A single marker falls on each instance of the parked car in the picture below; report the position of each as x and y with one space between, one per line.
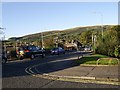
30 51
58 50
87 48
3 57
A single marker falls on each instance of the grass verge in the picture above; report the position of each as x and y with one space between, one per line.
92 60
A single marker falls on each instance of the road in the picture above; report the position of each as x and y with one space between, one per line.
15 75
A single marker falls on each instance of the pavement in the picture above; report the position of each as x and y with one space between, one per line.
59 71
104 73
107 74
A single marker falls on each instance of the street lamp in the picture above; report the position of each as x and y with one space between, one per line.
42 39
101 15
93 41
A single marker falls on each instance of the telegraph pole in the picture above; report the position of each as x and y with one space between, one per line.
101 15
42 39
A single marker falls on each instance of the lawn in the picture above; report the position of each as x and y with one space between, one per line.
92 60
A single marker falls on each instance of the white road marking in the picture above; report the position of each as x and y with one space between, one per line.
65 78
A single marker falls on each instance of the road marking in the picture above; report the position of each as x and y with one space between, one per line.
31 70
27 71
65 78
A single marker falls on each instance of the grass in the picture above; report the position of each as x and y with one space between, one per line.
92 60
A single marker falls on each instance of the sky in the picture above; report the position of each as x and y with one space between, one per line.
23 18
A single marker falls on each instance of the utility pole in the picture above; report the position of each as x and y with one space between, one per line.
92 42
102 23
58 39
101 15
42 40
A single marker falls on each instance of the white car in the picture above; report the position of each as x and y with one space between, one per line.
87 48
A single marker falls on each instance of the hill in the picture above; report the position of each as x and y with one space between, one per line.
51 38
68 32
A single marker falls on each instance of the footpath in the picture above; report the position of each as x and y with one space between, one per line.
86 73
67 70
106 73
89 74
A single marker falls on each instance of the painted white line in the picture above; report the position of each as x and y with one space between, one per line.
73 78
91 78
66 78
45 74
31 70
89 81
26 70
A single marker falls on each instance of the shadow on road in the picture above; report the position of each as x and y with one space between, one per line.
55 66
61 62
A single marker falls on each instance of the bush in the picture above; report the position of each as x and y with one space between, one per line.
117 52
107 44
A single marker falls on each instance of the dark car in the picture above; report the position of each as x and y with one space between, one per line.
3 57
30 51
58 50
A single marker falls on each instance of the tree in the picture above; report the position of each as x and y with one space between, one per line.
86 37
117 29
116 51
48 42
107 43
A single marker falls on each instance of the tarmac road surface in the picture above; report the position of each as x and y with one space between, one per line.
14 74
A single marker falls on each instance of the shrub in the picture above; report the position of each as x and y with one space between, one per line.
116 52
107 44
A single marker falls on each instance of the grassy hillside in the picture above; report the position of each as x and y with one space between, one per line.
68 34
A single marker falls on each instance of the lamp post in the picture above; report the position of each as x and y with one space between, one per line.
56 41
101 23
42 39
94 37
101 15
